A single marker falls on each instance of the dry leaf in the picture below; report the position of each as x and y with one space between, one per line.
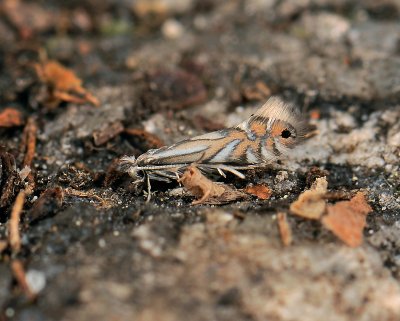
10 117
150 140
3 245
284 229
320 185
311 203
347 219
199 185
107 133
63 84
207 191
261 191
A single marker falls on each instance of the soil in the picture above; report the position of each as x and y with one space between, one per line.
92 248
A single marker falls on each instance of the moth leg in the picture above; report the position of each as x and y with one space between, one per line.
148 189
138 181
221 172
232 170
227 168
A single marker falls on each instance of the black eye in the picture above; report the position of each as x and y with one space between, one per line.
286 133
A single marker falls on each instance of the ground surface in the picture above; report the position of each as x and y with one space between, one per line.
179 68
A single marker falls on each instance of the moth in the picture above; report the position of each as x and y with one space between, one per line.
258 141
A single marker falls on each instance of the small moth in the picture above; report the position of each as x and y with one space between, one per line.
271 132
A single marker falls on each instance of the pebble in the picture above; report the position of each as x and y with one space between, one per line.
36 280
172 29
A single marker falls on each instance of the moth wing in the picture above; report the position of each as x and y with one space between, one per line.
192 150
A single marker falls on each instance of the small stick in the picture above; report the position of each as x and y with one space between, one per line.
284 229
30 141
14 237
83 194
19 273
28 145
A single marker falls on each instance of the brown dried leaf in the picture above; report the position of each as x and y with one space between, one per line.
63 84
284 229
173 89
311 203
10 117
207 191
199 185
108 132
9 179
347 219
151 140
261 191
3 245
258 92
48 202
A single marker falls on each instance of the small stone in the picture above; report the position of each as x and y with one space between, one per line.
36 280
172 29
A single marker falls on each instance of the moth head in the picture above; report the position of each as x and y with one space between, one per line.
286 126
128 164
286 135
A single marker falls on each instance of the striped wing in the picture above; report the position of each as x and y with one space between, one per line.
273 129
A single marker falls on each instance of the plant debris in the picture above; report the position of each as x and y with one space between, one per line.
9 178
284 229
28 147
108 132
347 219
13 235
48 202
62 85
148 140
259 92
207 191
263 192
173 90
19 273
11 117
311 203
91 194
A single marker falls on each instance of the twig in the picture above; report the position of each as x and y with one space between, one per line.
284 229
19 274
28 145
103 203
13 237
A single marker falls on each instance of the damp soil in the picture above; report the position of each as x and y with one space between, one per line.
93 248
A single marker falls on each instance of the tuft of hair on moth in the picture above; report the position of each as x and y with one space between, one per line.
267 135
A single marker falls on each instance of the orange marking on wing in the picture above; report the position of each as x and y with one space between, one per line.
258 128
237 135
241 149
215 147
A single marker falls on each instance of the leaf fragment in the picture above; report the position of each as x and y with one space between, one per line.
207 191
311 203
347 219
262 191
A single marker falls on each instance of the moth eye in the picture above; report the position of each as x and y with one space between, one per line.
286 133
